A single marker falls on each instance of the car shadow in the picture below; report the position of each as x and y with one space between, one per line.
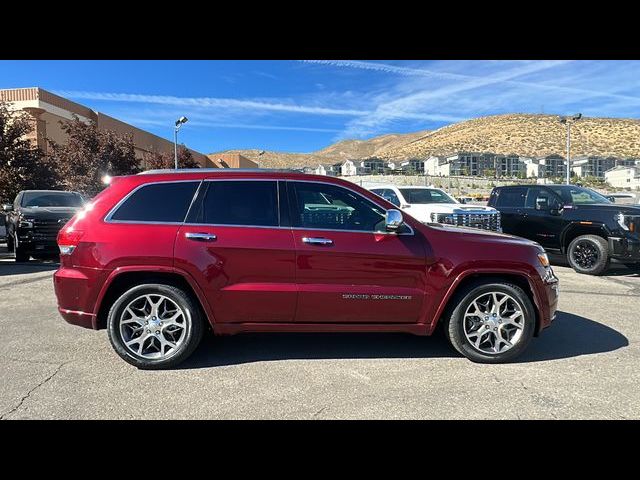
569 336
11 267
616 269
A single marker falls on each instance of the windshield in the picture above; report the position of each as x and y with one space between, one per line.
578 195
51 199
425 195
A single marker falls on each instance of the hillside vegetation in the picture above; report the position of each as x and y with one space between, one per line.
520 134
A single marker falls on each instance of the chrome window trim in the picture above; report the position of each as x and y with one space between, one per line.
109 215
107 218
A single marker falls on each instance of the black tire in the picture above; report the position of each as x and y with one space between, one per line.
454 322
193 326
20 254
588 254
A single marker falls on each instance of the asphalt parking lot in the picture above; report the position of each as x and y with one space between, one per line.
587 365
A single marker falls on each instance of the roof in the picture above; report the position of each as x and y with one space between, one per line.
218 170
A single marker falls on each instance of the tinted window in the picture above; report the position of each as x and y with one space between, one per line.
579 195
321 206
51 199
158 202
242 203
511 197
391 196
539 193
423 195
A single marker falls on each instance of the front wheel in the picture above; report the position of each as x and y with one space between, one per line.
588 254
20 254
154 326
492 323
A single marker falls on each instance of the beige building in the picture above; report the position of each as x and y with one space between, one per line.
47 110
230 160
624 177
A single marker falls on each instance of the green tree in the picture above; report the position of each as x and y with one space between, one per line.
91 153
161 160
22 164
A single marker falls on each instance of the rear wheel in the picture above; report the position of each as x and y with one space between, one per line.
492 323
154 326
588 254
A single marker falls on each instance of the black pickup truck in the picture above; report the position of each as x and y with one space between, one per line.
34 220
574 221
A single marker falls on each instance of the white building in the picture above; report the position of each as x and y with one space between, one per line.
320 170
345 169
623 177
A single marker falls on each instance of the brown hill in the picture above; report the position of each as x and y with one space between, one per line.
343 150
526 135
520 134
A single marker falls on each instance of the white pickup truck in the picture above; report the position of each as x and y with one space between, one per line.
432 205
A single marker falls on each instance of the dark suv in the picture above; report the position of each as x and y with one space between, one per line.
34 220
156 258
573 221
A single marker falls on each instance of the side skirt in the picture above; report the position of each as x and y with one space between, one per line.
234 328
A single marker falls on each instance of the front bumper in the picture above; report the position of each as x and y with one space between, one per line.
625 248
549 294
35 242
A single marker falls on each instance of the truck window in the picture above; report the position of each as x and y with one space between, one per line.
512 197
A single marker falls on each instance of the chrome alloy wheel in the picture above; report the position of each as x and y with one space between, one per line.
153 326
494 322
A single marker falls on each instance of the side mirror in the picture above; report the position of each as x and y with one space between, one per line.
393 220
542 203
7 207
462 200
556 208
611 199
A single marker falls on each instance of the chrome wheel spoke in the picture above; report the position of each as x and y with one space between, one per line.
153 326
494 322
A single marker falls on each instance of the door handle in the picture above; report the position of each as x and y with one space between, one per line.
200 237
317 241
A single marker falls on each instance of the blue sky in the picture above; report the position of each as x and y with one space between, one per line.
302 106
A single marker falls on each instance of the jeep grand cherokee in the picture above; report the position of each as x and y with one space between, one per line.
157 257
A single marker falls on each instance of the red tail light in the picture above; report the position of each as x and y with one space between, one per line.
68 239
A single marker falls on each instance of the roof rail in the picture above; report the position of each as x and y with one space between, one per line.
218 170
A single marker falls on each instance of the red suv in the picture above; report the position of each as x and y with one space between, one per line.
157 257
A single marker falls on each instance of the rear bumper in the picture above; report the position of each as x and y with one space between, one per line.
625 248
76 291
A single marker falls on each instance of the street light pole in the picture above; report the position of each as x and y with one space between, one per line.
179 123
567 122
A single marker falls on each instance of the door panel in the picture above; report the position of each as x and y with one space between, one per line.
248 274
345 272
239 254
360 277
542 226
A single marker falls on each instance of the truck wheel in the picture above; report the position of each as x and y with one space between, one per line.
21 255
154 326
588 254
492 323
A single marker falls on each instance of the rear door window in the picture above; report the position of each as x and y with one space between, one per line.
512 197
165 202
241 202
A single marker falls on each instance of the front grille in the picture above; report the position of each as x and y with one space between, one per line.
47 229
484 221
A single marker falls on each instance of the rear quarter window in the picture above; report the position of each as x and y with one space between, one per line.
157 202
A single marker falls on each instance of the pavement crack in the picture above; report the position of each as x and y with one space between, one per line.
319 411
30 392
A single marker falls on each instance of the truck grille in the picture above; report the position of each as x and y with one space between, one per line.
484 221
47 229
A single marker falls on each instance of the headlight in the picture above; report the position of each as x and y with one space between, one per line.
26 223
626 222
543 259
